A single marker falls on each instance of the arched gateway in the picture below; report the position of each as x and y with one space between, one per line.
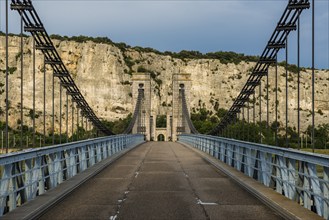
150 109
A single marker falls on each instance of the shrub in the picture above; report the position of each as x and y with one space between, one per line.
141 69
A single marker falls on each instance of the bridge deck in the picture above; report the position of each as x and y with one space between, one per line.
160 181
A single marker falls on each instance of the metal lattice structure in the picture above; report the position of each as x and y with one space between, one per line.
185 111
300 176
286 24
28 174
136 111
43 42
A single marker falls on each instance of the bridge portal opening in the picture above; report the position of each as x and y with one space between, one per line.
161 137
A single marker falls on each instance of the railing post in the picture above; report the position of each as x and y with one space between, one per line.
104 149
316 188
41 184
278 179
108 148
82 158
51 169
228 155
28 179
306 187
222 151
274 167
59 167
91 153
265 168
115 145
12 189
34 178
326 192
98 151
238 157
292 178
216 145
213 148
122 142
4 187
70 162
38 170
284 175
250 161
112 146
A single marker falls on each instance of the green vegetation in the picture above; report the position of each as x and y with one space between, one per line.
18 56
125 82
31 114
12 35
154 76
291 67
11 70
205 120
119 126
142 69
161 121
318 151
224 57
15 136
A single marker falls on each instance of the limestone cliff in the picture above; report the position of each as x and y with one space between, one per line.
103 74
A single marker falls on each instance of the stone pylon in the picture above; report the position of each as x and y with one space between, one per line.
179 124
142 125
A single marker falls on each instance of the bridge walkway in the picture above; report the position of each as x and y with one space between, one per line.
160 180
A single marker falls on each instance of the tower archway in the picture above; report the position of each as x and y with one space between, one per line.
161 137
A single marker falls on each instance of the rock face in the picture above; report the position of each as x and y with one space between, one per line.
103 73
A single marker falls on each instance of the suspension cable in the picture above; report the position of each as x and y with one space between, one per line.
22 82
136 111
185 112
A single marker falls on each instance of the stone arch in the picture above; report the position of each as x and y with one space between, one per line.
161 137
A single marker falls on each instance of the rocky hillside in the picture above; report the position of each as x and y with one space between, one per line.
103 73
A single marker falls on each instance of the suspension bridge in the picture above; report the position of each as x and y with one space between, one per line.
102 175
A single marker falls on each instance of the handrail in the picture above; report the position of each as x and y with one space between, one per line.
300 176
27 174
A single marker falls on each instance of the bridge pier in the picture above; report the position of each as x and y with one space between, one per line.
179 124
143 124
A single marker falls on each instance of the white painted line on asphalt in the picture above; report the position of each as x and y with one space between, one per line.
205 203
113 217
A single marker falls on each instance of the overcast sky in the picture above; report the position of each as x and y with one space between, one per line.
241 26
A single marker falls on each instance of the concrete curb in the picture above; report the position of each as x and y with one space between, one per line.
285 207
35 208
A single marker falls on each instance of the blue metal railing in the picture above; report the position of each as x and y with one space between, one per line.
300 176
27 174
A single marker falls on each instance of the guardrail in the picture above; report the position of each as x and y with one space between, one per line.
300 176
27 174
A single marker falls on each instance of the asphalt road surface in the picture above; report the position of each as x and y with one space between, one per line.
160 180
